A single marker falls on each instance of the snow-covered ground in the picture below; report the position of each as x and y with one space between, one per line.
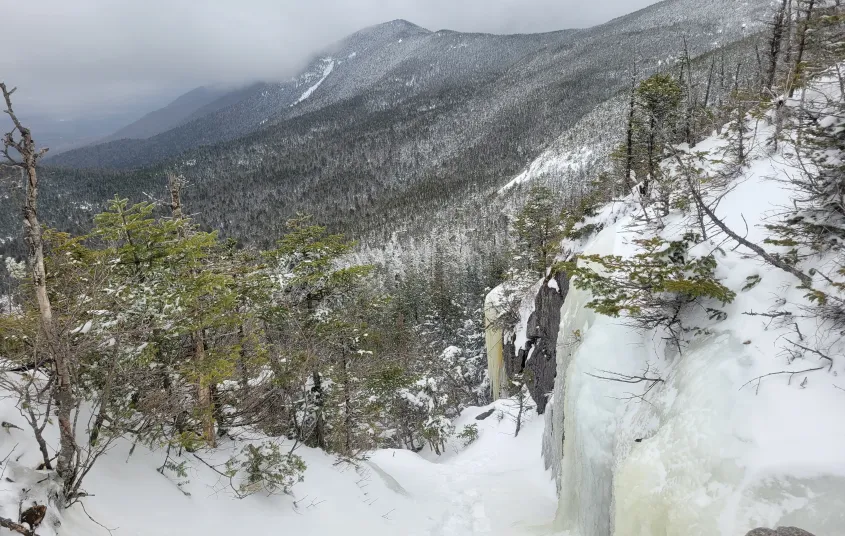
495 486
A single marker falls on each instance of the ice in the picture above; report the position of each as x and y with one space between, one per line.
736 436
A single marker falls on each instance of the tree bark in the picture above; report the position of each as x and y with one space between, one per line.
33 237
105 399
775 44
204 398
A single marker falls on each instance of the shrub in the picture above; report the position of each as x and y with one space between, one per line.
436 431
468 434
265 468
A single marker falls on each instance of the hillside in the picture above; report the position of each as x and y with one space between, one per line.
393 492
177 112
437 122
715 420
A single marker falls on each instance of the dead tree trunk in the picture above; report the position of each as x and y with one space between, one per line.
689 114
63 389
629 141
652 160
740 120
347 402
775 44
105 400
802 44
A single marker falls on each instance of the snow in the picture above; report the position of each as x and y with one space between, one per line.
83 329
552 162
716 448
327 70
586 145
526 307
495 486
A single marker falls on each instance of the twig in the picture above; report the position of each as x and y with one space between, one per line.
798 331
7 459
791 374
769 315
94 520
746 231
815 352
624 378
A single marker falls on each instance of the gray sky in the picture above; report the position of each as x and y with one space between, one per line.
69 57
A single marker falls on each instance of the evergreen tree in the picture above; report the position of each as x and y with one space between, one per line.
538 231
659 98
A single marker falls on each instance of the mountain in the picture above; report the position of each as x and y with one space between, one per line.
398 133
171 116
385 64
63 134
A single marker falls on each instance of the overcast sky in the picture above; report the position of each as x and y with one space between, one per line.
72 56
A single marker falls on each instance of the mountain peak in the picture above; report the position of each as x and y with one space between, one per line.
404 24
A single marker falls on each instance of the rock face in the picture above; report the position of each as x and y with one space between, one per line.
537 359
780 531
543 327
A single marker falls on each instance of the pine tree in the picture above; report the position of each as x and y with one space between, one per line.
659 97
538 231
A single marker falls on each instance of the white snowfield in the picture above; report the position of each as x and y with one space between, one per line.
496 486
327 70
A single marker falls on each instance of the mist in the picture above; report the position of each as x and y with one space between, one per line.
95 58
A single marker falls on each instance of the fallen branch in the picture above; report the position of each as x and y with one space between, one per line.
623 378
791 374
769 315
15 527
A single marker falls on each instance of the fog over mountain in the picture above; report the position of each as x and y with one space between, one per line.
97 57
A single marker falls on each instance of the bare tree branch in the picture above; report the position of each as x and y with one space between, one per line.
805 279
791 374
15 527
814 352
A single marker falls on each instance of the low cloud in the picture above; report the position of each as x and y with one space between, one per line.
97 56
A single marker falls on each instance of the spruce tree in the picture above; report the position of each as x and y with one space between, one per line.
538 231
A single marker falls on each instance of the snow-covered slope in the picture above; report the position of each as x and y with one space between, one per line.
740 432
489 487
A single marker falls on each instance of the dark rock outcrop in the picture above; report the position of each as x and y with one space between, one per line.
537 360
482 416
780 531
